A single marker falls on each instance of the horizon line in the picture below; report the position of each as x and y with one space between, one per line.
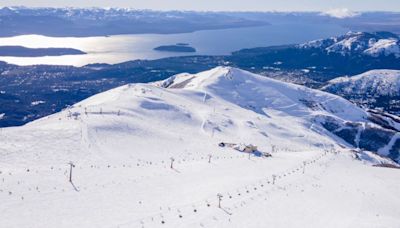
192 10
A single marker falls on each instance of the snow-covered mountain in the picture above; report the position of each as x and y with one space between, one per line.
375 82
373 44
373 89
149 155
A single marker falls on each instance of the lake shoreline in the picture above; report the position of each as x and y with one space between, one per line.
21 51
122 48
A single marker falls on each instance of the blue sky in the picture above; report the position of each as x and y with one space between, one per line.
242 5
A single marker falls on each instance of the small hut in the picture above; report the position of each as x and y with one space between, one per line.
250 148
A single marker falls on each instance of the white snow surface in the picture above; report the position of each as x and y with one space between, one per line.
122 141
378 82
384 47
345 46
357 43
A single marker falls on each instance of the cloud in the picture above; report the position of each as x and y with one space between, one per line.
340 13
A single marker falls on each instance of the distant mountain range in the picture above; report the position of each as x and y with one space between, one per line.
111 21
350 54
374 44
61 22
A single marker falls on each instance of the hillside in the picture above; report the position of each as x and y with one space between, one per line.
374 89
378 82
148 155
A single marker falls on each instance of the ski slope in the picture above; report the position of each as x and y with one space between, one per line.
123 142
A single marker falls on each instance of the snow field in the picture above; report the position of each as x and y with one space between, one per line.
122 143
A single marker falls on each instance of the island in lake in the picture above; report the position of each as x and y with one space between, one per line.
179 47
20 51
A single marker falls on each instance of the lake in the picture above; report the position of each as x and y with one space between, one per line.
120 48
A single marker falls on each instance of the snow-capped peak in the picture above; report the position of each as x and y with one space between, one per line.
252 90
371 44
